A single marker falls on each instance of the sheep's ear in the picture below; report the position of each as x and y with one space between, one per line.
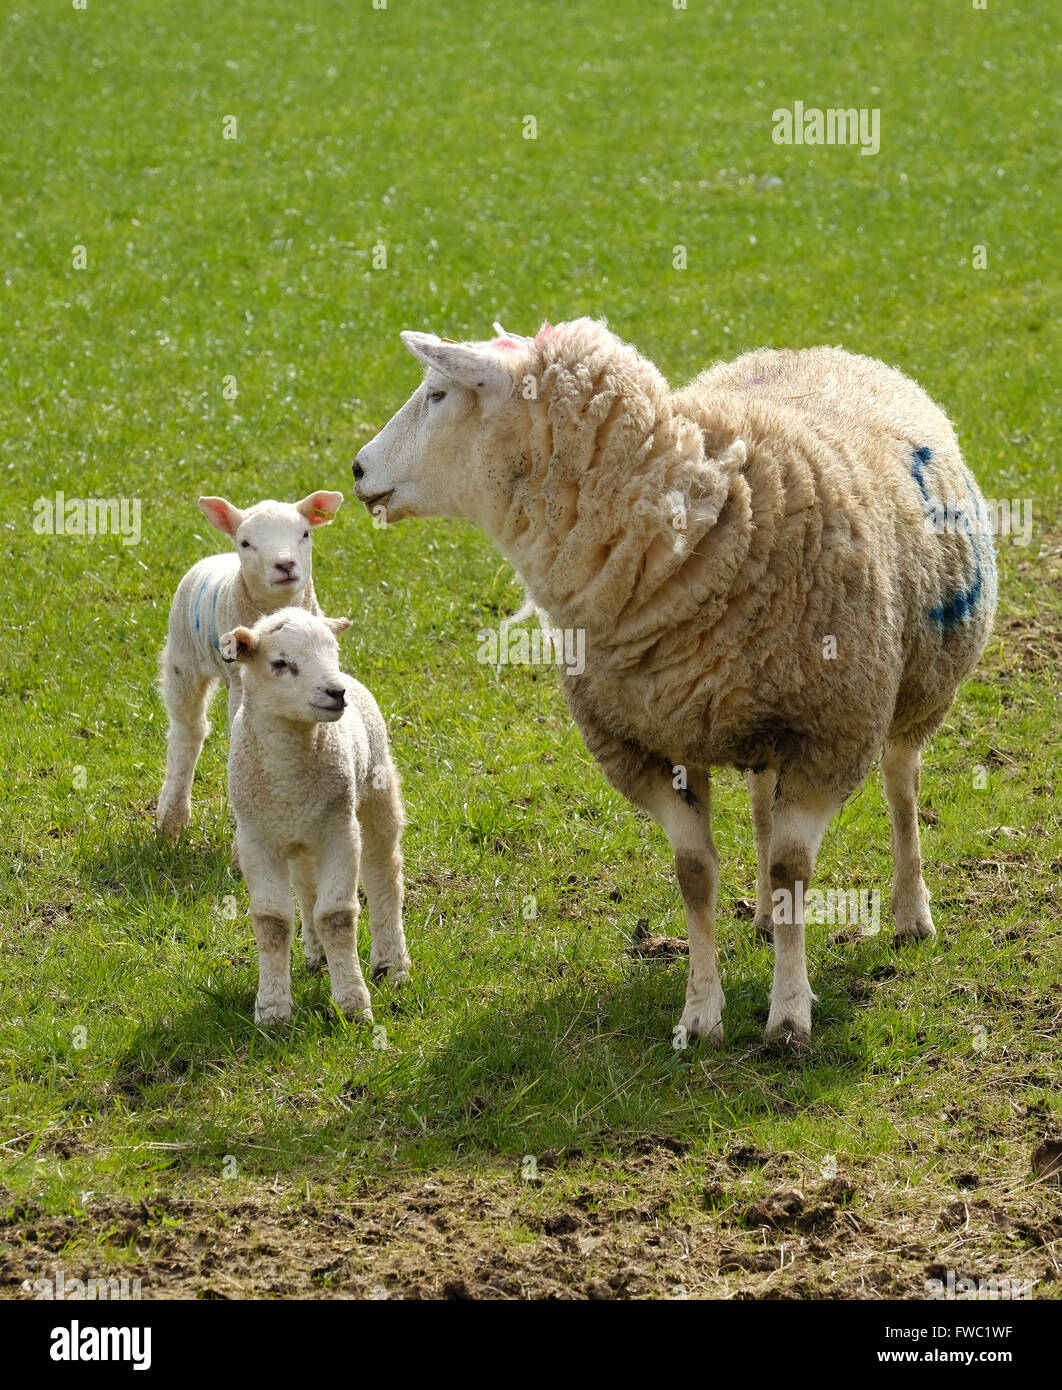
320 507
338 625
475 367
238 645
222 515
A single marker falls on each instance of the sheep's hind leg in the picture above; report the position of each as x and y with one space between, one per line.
912 920
798 824
380 817
761 786
186 695
336 919
304 884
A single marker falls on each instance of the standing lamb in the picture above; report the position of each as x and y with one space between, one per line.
270 569
753 563
316 797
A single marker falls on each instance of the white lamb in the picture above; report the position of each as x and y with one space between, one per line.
757 564
270 569
317 799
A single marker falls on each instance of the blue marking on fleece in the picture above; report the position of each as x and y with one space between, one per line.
919 459
199 595
214 620
962 605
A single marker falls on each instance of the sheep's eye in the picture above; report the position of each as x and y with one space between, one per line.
436 396
246 545
279 665
306 535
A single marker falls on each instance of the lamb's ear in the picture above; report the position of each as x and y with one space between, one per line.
320 507
476 367
222 515
337 625
238 645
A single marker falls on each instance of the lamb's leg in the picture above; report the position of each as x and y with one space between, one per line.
798 824
303 881
336 918
761 787
911 917
380 817
186 695
273 920
235 695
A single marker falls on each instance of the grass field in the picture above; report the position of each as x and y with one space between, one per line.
523 1127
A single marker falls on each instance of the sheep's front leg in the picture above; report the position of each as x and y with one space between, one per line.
761 787
798 824
684 816
273 920
911 917
336 918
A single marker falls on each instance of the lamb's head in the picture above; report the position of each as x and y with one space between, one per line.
273 542
470 429
289 665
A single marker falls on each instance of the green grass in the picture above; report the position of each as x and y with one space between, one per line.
253 258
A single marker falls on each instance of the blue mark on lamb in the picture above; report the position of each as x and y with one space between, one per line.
199 595
961 606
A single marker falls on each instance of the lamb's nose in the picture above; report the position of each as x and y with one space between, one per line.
359 472
288 566
338 693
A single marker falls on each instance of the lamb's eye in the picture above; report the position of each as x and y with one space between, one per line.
279 665
435 396
306 535
246 545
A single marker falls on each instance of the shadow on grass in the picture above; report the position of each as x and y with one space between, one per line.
587 1067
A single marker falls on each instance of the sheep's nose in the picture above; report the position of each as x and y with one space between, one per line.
359 472
287 566
337 693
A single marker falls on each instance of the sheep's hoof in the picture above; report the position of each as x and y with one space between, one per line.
763 927
271 1018
919 928
172 822
353 1014
397 971
789 1034
702 1020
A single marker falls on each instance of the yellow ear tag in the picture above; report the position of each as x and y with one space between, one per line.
447 340
322 515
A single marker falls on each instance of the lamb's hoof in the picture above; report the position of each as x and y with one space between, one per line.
763 927
919 928
272 1017
397 971
702 1019
172 821
356 1014
790 1034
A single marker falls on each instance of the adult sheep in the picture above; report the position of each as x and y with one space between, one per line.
752 566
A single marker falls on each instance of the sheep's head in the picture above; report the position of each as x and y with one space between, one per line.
273 542
289 663
442 453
